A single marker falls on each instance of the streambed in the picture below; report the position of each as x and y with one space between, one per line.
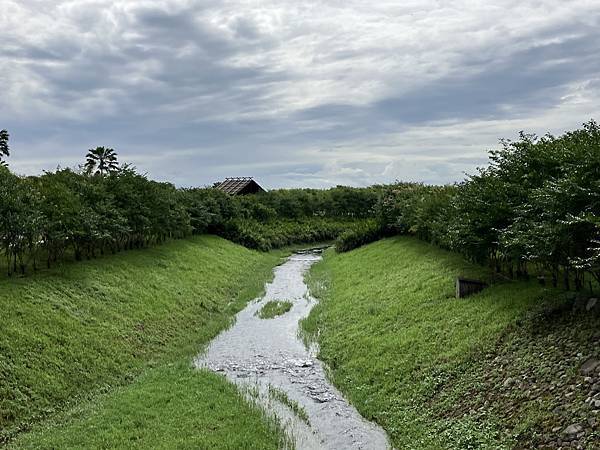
264 356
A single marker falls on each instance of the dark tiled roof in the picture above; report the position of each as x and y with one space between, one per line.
235 185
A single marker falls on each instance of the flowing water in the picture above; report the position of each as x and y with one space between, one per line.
266 356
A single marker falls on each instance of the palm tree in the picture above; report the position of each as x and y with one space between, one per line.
4 150
101 161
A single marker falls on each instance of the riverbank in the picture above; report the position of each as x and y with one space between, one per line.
118 334
498 370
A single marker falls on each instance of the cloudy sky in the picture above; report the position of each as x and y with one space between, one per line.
293 92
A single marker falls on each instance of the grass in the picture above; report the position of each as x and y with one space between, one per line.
92 334
394 336
274 308
283 398
169 407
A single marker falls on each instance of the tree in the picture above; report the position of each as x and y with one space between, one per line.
101 161
62 210
4 150
19 220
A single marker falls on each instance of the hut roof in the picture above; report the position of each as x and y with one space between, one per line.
239 185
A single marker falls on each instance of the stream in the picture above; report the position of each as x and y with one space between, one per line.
263 356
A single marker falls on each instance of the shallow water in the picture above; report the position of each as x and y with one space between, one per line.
257 353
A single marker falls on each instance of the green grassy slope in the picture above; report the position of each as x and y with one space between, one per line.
394 336
72 333
171 406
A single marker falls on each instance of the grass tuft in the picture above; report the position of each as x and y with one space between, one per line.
281 396
274 308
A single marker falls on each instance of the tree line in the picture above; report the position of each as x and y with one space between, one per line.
534 208
107 207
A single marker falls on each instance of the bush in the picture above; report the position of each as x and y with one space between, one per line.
360 234
265 236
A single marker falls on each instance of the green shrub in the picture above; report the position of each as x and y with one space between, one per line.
265 236
360 234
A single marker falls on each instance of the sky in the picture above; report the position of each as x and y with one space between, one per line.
295 93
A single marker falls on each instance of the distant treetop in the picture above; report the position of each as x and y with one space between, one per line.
101 161
4 149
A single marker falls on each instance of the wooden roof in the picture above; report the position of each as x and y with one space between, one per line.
239 185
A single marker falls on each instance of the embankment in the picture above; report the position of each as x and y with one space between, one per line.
104 348
501 369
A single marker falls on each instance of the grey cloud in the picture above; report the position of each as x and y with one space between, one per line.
191 98
246 29
171 30
531 79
